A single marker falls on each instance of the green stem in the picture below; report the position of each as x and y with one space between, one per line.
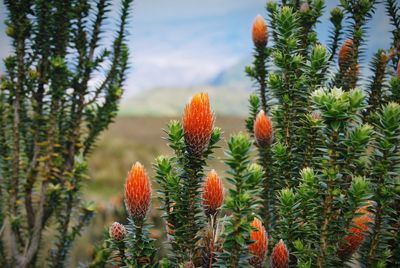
121 252
324 232
375 237
261 74
268 187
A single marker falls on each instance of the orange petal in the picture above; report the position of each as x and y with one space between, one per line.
213 193
137 192
260 32
198 122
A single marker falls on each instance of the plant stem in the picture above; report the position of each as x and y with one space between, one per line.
375 236
327 204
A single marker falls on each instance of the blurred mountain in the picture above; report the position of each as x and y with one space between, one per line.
228 90
225 100
234 75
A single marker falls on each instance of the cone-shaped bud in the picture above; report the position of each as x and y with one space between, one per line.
345 53
260 32
137 192
316 115
357 232
198 121
263 129
213 193
280 256
117 231
260 246
305 7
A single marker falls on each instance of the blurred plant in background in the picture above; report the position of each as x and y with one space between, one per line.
50 118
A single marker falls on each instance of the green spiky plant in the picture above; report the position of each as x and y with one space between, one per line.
197 233
327 181
50 119
180 177
327 150
242 202
131 245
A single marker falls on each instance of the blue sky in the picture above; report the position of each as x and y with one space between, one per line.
180 43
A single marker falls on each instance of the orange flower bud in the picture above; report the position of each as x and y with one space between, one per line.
305 7
260 246
263 129
213 193
198 122
280 256
137 192
316 115
117 231
260 32
345 53
356 236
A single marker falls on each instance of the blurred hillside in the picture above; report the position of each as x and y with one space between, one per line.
229 91
132 139
230 101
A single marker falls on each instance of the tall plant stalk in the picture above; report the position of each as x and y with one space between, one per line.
51 117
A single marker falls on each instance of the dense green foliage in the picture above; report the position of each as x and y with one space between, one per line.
335 149
327 180
50 118
323 175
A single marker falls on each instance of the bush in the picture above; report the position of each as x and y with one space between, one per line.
326 185
50 118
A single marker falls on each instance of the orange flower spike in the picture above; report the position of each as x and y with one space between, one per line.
345 53
280 256
356 236
263 129
198 122
260 246
117 231
260 32
213 193
137 192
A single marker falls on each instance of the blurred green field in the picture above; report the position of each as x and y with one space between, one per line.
128 140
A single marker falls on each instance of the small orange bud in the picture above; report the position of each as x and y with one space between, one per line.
316 115
356 236
260 246
280 256
260 32
198 122
117 231
137 192
345 53
305 7
263 129
213 193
